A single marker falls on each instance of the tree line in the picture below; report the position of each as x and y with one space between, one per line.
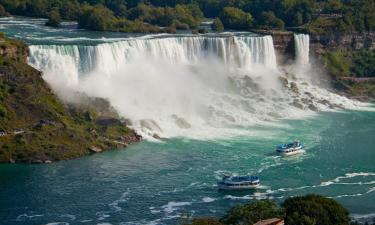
316 16
301 210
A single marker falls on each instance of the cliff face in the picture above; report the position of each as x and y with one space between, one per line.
284 42
335 52
342 42
36 127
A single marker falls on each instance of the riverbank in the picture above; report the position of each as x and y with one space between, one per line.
36 127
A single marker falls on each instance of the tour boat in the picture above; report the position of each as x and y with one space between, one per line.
289 149
238 182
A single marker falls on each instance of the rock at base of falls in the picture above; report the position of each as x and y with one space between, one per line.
180 122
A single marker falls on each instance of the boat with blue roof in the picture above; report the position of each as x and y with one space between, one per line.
289 149
246 182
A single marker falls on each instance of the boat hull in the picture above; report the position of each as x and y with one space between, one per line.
291 153
244 187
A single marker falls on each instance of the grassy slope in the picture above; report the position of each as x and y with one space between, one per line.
340 65
25 100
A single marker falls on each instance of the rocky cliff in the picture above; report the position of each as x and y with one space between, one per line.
35 127
284 42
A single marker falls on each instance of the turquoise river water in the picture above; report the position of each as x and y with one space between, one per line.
158 182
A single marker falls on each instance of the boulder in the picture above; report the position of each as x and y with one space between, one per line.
180 122
284 81
297 104
150 125
312 107
293 87
94 149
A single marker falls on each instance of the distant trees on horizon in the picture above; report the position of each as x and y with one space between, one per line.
149 16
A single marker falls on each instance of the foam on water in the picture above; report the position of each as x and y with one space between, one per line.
208 199
173 206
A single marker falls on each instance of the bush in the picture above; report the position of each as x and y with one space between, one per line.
269 20
3 112
54 19
252 212
234 18
315 210
2 11
336 64
96 17
217 25
364 63
205 221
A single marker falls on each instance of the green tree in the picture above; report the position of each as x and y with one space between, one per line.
54 19
36 8
269 20
298 19
2 11
70 10
315 210
333 6
251 213
96 17
364 63
234 18
217 25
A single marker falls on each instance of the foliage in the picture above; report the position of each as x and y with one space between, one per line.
54 19
217 25
251 213
315 210
319 16
357 63
204 221
363 63
305 210
337 64
3 112
96 17
234 18
49 130
167 16
2 11
268 20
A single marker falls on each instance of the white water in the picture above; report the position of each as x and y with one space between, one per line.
200 86
302 43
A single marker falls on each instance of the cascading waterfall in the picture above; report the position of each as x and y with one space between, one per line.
183 86
107 57
302 45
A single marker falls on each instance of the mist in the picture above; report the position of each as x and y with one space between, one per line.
199 87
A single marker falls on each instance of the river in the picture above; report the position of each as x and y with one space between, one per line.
161 181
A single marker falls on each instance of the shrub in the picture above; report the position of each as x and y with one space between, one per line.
54 19
96 17
2 11
234 18
217 25
315 210
252 212
3 112
205 221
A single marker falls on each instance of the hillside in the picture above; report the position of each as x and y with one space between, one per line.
36 127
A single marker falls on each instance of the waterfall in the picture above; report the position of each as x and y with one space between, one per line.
107 57
195 86
302 45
